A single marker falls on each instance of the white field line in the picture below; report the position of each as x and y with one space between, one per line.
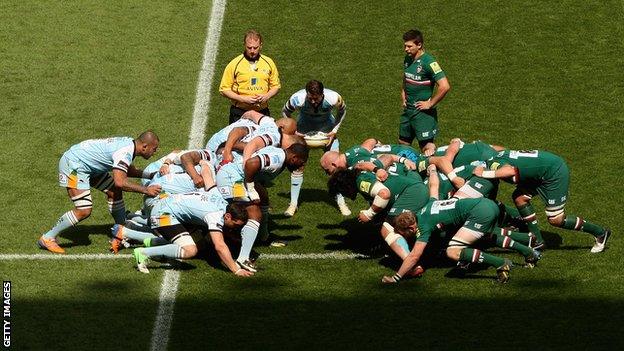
169 288
307 256
206 75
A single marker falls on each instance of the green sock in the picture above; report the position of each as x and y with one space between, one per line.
528 216
264 224
522 238
579 224
507 213
473 255
155 241
507 242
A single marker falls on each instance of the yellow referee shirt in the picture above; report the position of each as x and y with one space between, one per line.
250 78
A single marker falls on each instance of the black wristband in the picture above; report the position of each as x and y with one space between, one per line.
397 277
375 169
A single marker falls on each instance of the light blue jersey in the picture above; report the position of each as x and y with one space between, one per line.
268 131
219 138
313 119
230 177
205 208
103 155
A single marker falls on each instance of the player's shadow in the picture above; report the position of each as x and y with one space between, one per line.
312 195
79 236
363 238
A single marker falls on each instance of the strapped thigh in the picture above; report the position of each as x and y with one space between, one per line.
83 200
103 182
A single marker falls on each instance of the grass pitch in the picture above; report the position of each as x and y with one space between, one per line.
523 74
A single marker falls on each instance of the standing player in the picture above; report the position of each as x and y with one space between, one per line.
250 79
86 165
315 105
421 72
544 173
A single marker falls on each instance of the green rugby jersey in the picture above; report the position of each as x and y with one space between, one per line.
357 154
396 183
531 165
469 152
397 149
419 77
452 212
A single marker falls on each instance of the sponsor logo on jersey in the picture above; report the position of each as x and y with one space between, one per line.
435 67
419 69
254 81
365 187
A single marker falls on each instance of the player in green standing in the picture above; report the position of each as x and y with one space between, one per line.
421 74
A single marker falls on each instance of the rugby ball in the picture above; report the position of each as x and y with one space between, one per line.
316 139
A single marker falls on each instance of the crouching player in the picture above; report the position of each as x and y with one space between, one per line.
173 216
476 218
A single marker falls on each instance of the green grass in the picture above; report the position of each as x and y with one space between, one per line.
524 74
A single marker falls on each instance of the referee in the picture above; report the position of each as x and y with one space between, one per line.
250 79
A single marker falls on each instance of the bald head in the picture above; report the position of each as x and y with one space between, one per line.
146 144
329 160
287 125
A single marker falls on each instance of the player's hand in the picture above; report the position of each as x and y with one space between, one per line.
251 100
458 182
410 165
198 181
227 157
428 152
381 175
153 190
243 273
262 98
164 169
404 103
252 192
363 218
478 171
423 105
388 280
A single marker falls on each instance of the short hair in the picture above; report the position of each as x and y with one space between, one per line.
238 211
404 220
314 87
343 182
148 137
253 34
299 150
414 35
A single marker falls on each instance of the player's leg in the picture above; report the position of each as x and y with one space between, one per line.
406 131
296 182
522 199
397 242
76 182
340 200
181 246
249 233
114 196
425 125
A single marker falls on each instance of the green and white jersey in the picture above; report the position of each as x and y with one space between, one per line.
419 77
395 183
532 166
442 213
397 149
469 153
357 154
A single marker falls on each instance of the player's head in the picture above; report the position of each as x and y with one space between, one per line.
405 224
287 125
253 44
343 182
296 156
235 215
146 144
413 41
288 140
330 162
314 92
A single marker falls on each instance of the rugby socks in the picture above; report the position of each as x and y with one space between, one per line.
248 235
155 241
528 216
296 180
117 209
507 242
477 256
170 251
400 246
264 223
579 224
67 220
135 234
520 237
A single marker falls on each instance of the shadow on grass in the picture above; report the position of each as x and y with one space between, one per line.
79 236
311 195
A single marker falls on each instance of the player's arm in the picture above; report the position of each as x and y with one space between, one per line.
377 167
290 107
453 149
404 160
403 95
232 142
120 178
446 167
207 174
251 168
188 161
168 161
341 112
434 182
442 87
381 196
408 263
252 146
369 144
504 171
225 255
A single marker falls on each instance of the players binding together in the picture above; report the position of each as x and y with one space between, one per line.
422 201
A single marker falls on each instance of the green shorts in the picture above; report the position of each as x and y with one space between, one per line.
553 190
482 218
422 125
413 198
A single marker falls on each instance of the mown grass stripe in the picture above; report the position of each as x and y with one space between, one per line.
303 256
